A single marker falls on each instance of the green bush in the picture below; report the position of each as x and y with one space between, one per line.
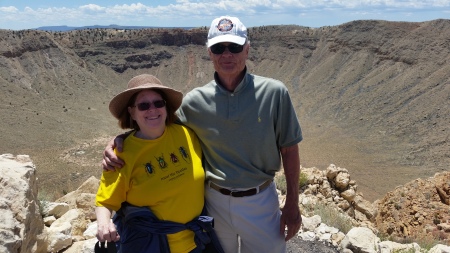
302 180
43 199
280 181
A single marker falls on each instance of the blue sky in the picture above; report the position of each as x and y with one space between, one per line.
21 14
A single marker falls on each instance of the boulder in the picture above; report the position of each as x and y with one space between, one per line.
21 224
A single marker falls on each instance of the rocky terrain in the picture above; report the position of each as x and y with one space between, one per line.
69 225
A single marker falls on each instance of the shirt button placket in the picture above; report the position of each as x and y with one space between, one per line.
233 107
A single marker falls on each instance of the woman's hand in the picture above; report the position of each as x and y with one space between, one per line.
106 230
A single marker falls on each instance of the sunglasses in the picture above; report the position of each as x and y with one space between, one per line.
147 105
220 48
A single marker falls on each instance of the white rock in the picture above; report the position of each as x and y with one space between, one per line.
440 248
388 247
48 221
82 246
308 236
20 220
361 239
311 223
59 236
54 208
91 230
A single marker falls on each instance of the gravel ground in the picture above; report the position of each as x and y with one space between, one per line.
297 245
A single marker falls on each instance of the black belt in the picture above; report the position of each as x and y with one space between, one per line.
238 194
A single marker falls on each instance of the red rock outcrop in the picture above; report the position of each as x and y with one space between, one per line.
418 208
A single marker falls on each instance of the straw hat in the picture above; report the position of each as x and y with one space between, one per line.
142 82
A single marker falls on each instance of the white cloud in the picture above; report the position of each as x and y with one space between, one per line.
9 9
201 12
129 9
93 8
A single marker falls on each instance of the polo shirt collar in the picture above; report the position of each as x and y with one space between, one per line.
240 86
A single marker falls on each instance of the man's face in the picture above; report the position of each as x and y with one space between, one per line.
228 64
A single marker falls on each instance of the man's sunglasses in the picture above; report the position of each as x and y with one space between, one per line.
220 48
147 105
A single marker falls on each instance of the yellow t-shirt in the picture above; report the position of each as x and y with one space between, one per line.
164 174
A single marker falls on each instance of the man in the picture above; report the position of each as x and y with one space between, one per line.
247 125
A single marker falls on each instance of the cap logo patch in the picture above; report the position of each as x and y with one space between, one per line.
225 25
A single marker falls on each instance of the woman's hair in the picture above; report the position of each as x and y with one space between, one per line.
126 122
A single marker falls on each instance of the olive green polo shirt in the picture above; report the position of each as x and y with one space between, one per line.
241 132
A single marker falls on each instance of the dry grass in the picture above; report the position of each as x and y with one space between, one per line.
425 241
331 216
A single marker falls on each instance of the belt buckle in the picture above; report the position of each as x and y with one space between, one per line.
238 194
232 193
225 191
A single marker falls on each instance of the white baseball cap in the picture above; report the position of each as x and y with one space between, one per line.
227 29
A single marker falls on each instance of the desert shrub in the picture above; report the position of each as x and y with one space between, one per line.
411 250
331 216
280 181
303 179
426 242
43 198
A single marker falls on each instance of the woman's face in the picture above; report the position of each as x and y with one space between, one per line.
151 119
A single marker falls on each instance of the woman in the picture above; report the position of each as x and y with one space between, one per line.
162 171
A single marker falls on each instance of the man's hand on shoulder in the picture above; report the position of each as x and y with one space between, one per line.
110 160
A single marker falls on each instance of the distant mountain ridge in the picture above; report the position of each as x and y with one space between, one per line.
64 28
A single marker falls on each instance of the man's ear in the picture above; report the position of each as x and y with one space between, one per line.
210 54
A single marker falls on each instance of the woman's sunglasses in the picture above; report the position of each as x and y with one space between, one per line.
147 105
220 48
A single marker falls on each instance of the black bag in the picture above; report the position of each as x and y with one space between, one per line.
210 248
102 247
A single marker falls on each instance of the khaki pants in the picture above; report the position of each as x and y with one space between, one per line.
255 220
